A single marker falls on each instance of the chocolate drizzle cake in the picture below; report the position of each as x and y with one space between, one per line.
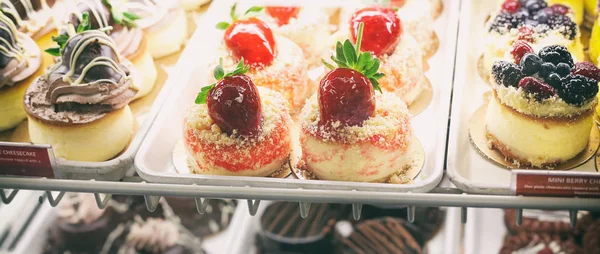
384 235
542 243
591 239
428 219
535 221
30 16
284 231
215 219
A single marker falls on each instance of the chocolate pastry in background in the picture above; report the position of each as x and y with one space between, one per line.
33 17
542 243
428 219
216 218
129 39
591 238
383 235
81 227
282 230
80 105
538 221
20 64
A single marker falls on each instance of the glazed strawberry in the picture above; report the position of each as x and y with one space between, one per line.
587 69
233 102
347 94
534 86
520 49
511 6
382 29
560 9
282 14
249 38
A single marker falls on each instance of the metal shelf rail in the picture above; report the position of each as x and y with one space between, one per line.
152 192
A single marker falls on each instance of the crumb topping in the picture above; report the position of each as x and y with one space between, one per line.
203 127
390 127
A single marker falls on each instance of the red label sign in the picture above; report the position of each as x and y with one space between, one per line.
558 184
26 160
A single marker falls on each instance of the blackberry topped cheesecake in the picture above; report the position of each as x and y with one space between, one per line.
533 21
542 109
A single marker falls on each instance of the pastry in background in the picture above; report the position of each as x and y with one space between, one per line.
275 61
215 219
192 5
429 220
80 105
237 128
386 38
350 133
302 25
591 8
534 22
35 18
554 222
594 48
540 243
20 62
547 94
383 235
164 23
577 6
282 230
129 39
591 239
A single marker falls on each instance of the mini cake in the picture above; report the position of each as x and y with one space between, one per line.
302 25
348 132
275 61
79 106
237 128
553 222
429 220
282 230
536 23
215 218
129 39
160 20
20 61
82 227
384 235
540 244
576 6
591 239
546 95
386 38
32 17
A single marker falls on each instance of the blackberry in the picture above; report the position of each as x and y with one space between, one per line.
531 63
506 20
563 24
556 54
577 89
506 73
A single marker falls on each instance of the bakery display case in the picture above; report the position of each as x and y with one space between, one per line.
267 126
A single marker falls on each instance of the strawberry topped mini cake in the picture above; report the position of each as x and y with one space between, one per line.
400 54
541 113
237 128
302 25
348 132
533 21
275 61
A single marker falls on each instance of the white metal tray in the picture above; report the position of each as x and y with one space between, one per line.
466 167
34 237
446 241
154 159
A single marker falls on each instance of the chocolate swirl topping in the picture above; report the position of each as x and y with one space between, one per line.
89 81
127 39
385 235
19 56
28 15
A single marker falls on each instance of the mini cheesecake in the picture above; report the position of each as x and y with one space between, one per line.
129 39
542 110
537 24
160 20
237 128
400 53
79 106
20 61
368 153
35 18
275 61
301 25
